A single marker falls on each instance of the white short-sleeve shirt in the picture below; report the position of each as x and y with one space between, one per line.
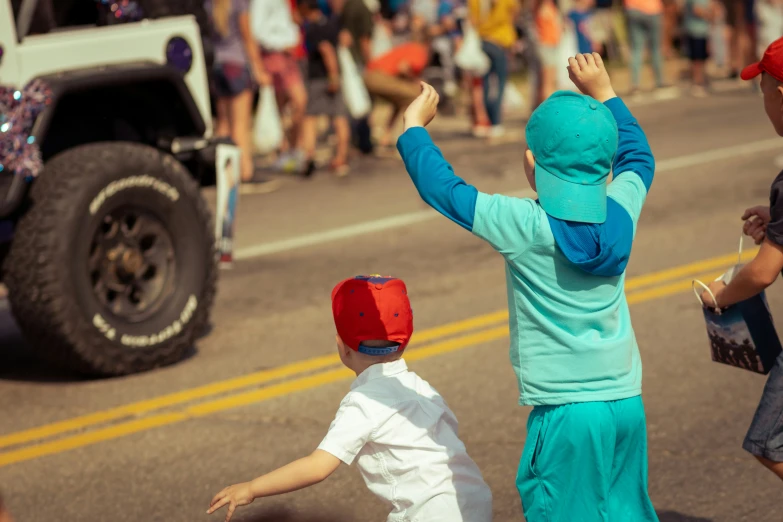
404 439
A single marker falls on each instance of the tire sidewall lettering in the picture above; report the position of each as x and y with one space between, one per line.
112 332
141 181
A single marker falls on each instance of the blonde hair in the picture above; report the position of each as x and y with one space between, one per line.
221 12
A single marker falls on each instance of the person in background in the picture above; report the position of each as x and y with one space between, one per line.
769 23
394 76
580 14
645 25
237 64
274 29
697 18
549 30
324 96
494 21
356 21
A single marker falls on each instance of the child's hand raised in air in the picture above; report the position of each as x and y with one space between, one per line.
232 496
588 73
423 109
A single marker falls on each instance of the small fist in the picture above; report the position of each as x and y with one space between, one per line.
232 496
423 109
716 287
756 221
588 73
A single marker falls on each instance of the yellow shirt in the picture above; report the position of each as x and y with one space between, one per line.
496 25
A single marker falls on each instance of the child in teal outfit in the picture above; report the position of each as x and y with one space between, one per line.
573 348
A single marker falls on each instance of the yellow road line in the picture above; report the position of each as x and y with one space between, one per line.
233 401
689 269
216 388
321 362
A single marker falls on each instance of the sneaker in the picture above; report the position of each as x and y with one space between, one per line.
290 162
665 92
450 89
497 131
481 131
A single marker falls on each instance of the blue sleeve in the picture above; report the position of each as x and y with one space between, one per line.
633 151
434 178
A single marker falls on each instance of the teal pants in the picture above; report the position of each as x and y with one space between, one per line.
586 462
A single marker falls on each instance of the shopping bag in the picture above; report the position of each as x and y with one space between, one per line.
357 99
513 101
381 42
568 48
268 129
470 58
742 335
229 163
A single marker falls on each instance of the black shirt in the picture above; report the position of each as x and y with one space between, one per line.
775 226
323 30
356 18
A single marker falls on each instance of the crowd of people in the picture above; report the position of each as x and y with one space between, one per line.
292 46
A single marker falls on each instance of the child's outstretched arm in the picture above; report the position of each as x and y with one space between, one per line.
297 475
432 175
634 155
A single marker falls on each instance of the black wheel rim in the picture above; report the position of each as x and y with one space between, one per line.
131 263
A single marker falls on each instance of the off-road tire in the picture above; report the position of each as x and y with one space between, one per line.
48 280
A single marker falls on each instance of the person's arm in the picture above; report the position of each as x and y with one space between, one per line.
633 151
330 62
752 278
252 50
434 178
299 474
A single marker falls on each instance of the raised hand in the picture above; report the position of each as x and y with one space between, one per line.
588 73
423 109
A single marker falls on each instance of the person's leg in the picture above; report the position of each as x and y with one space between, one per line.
296 93
566 464
343 131
497 60
241 119
636 33
628 495
655 32
223 123
764 439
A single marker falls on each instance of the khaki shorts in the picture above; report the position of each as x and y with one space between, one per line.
398 91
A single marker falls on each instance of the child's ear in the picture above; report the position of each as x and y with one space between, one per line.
530 159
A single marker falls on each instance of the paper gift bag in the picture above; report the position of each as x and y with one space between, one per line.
742 335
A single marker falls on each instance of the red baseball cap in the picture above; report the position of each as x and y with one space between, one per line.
771 63
372 308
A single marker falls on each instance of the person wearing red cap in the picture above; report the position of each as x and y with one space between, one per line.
396 427
764 439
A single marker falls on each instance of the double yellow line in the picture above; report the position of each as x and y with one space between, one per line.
248 389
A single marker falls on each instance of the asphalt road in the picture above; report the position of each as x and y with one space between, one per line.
275 382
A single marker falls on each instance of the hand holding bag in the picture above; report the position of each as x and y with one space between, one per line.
742 335
267 128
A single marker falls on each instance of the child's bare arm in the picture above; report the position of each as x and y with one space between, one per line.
751 280
330 61
299 474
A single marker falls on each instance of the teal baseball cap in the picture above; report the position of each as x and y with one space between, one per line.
574 140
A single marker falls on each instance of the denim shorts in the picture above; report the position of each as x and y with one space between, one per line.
765 436
230 79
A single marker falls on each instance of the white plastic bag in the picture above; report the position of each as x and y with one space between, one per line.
470 58
513 101
568 48
381 42
357 99
267 129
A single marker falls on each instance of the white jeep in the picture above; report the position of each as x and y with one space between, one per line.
110 261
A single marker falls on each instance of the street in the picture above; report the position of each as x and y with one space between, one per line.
262 386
